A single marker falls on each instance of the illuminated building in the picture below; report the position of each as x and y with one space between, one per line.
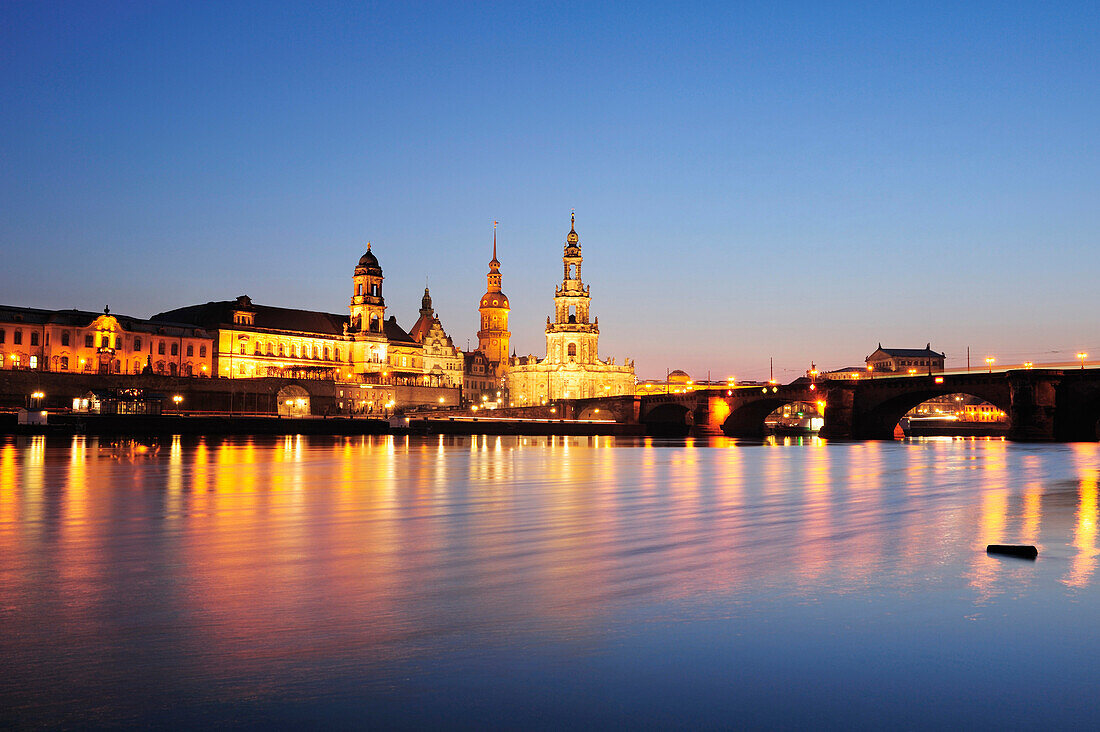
479 378
572 367
261 340
848 373
77 341
484 367
893 360
443 362
493 338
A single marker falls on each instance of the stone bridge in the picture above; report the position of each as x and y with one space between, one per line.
1042 404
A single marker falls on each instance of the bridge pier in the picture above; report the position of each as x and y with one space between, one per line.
839 413
1033 405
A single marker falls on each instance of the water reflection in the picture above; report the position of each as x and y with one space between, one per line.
247 560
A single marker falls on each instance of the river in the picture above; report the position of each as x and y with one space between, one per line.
547 582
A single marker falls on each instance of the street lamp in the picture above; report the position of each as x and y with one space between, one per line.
177 399
1029 365
989 361
1082 356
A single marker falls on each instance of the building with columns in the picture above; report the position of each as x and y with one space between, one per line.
572 367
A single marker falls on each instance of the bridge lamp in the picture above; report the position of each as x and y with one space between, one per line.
939 379
775 389
764 390
1082 356
912 371
989 361
1029 365
813 387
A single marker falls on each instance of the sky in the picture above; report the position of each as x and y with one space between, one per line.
752 181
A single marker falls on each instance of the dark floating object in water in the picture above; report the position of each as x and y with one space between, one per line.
1024 551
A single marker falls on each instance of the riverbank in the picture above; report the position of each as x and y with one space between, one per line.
173 424
168 424
533 427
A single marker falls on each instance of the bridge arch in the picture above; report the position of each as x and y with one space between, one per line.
880 419
747 419
668 418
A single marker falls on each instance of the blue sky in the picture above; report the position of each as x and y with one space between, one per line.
797 181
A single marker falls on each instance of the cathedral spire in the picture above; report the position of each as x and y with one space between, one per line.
494 265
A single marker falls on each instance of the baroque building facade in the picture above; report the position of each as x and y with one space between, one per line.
252 340
572 368
443 362
78 341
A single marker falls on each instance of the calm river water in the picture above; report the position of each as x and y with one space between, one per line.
545 582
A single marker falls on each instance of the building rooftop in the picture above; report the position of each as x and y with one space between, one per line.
265 317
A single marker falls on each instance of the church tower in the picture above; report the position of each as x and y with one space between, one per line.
492 339
570 337
368 309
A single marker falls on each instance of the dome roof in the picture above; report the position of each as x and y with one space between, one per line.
494 300
369 261
678 377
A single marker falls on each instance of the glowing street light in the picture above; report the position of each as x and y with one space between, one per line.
989 362
1082 356
177 399
1029 365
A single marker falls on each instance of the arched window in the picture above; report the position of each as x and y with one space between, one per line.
327 353
337 354
572 350
282 349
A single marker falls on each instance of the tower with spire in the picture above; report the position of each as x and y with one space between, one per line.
570 337
443 361
572 368
366 326
493 337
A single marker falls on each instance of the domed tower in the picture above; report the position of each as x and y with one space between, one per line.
570 337
368 309
492 339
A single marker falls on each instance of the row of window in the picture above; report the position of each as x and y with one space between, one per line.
322 353
104 342
67 363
